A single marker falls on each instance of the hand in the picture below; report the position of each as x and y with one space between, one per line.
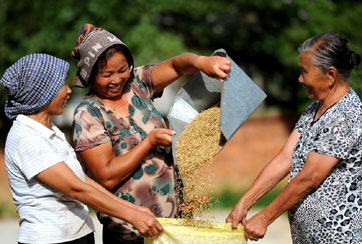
255 228
160 137
214 66
146 224
144 210
237 215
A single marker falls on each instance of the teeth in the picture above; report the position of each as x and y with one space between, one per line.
115 87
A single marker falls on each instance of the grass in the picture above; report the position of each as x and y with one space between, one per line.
228 198
7 210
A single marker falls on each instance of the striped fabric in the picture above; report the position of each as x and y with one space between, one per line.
46 216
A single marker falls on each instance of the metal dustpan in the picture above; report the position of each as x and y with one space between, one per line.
238 95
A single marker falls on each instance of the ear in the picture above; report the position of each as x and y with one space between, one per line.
332 75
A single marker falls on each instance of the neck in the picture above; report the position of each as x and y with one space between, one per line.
336 94
42 118
115 100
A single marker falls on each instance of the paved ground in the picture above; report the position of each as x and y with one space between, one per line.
278 232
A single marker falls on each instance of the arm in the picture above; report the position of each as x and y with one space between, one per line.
91 182
269 177
61 178
110 171
172 69
315 170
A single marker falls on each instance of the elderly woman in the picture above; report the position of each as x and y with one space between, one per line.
322 155
118 132
48 184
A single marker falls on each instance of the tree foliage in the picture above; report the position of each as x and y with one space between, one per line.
262 36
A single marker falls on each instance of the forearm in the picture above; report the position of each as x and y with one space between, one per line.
187 63
168 71
295 191
122 166
102 201
276 170
267 179
315 170
105 191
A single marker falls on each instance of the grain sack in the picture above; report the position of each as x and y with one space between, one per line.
177 231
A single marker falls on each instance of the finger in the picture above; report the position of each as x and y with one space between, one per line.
153 231
156 229
159 227
243 222
167 139
228 219
246 235
234 224
221 73
167 131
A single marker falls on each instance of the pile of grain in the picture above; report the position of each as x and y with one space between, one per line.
200 140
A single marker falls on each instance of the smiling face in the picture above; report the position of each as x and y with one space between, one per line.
314 80
110 80
56 107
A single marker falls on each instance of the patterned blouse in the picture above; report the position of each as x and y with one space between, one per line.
152 183
332 213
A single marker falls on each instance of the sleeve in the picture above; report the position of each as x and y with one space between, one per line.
143 82
337 137
35 155
302 120
88 129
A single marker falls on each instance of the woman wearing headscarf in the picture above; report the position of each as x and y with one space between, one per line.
119 134
47 182
322 155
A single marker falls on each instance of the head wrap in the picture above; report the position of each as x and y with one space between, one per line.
33 82
91 43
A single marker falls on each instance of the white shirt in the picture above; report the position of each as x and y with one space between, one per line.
46 216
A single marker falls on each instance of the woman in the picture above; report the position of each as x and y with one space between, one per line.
48 184
323 155
114 122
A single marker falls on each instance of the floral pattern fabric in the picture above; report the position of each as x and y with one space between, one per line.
332 213
152 184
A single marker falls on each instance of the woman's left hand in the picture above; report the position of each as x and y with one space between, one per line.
215 66
255 228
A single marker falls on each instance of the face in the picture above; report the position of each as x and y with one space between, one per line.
314 80
110 81
57 106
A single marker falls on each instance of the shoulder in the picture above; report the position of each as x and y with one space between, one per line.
143 72
89 105
349 108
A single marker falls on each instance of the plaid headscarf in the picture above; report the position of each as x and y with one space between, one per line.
33 82
91 43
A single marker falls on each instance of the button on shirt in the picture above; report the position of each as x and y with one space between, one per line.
46 216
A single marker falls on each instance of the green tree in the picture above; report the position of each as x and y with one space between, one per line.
262 36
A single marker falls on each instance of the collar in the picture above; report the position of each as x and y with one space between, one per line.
42 129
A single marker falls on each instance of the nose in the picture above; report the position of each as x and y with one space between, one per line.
300 78
69 91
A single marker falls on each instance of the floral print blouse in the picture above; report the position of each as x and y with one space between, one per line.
152 184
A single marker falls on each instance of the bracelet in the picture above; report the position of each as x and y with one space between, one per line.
116 198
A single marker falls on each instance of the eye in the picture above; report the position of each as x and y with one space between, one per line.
123 69
106 75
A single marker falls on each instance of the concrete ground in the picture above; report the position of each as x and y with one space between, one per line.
278 232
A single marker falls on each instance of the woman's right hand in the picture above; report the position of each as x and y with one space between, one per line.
237 215
146 224
160 137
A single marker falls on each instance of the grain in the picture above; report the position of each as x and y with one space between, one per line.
197 145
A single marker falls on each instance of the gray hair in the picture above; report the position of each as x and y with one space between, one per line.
330 49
